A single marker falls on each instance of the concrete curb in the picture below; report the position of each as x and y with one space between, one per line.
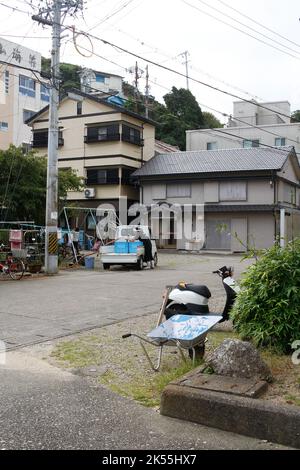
240 415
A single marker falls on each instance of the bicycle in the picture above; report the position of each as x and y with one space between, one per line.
13 267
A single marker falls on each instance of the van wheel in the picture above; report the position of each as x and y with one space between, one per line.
140 264
106 266
155 259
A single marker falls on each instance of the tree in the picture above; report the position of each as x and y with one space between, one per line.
23 185
180 113
295 117
210 121
69 74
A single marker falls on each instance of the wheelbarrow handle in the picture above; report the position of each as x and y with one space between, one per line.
126 336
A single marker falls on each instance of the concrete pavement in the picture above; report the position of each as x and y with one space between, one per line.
43 407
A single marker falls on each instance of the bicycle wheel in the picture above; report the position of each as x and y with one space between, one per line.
16 268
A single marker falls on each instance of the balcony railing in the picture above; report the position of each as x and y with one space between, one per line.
89 139
43 142
94 181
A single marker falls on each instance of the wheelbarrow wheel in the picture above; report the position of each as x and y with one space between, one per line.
199 352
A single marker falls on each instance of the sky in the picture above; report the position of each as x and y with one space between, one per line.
161 30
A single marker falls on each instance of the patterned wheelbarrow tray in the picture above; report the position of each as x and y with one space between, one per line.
183 331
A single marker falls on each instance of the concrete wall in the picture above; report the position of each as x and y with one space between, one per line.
256 115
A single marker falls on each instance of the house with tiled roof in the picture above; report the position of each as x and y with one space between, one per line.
230 199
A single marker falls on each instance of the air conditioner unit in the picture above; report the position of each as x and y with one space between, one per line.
89 193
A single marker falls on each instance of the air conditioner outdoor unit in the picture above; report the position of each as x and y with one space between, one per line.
89 193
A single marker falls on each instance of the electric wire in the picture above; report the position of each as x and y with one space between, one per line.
258 23
249 27
238 29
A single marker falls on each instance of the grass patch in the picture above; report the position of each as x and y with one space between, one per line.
292 400
127 372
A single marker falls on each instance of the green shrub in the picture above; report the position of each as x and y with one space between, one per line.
267 310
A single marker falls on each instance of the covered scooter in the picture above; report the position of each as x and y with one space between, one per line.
191 299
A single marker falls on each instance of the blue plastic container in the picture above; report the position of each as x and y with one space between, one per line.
89 262
121 246
133 246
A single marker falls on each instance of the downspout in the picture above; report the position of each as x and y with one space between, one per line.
275 199
142 146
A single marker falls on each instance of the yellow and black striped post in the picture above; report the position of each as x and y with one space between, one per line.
53 244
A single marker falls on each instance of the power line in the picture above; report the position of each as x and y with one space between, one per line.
249 27
183 75
240 30
175 71
15 8
259 24
23 37
111 15
169 57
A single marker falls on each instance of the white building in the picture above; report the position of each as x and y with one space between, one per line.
93 82
22 92
250 126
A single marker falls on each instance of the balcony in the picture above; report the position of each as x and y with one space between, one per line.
40 141
90 139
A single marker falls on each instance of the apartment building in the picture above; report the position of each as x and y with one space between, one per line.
251 125
22 92
103 142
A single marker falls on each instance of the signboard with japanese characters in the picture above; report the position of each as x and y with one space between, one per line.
16 54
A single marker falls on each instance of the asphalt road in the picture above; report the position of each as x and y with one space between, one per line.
34 310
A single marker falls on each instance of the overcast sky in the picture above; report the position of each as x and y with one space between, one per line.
159 30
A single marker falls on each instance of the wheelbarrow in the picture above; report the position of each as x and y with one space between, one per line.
183 331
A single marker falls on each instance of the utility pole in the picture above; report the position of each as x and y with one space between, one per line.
185 54
147 90
137 72
52 16
51 249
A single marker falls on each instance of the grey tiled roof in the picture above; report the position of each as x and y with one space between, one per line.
215 161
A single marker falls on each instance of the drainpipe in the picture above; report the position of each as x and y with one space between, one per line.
275 203
142 147
282 228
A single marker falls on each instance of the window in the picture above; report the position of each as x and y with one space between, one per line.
289 193
250 143
126 173
27 114
100 78
45 93
178 190
79 108
26 86
211 145
233 191
102 134
280 142
4 126
40 138
26 147
102 176
6 82
129 134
